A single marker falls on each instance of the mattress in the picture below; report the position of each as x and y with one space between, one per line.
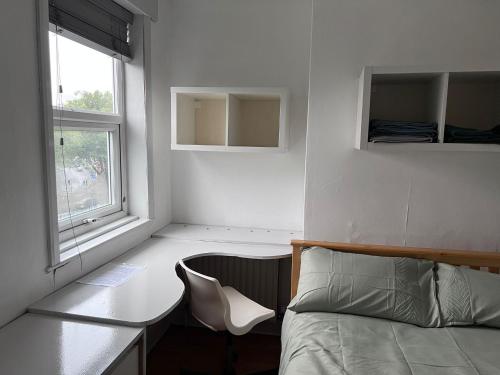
330 343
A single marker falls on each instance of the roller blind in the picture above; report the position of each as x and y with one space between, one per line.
101 21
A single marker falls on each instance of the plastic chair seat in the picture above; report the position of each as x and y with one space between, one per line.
244 313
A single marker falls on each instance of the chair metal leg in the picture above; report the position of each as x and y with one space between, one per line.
230 354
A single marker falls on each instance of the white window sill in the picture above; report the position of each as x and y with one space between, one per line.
82 239
92 239
86 232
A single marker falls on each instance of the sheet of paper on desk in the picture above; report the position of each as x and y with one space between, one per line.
111 275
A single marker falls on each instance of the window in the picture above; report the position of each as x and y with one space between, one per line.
86 87
86 74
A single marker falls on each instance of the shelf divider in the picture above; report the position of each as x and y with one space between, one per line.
441 101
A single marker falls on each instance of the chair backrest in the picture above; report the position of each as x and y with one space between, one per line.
209 304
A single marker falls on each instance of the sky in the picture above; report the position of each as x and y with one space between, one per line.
81 68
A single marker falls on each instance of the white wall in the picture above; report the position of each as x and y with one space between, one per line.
424 199
160 93
23 231
242 43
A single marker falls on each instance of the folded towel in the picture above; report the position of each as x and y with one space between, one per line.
401 139
456 134
402 131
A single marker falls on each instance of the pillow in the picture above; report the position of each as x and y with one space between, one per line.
468 297
401 289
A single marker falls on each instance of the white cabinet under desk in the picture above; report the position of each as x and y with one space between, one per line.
48 345
449 98
235 119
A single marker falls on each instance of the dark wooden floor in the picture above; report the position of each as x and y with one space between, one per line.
200 349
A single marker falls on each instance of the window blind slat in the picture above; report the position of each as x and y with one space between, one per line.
101 21
73 24
89 13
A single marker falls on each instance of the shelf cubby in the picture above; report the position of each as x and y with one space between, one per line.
473 100
229 119
253 120
201 119
406 97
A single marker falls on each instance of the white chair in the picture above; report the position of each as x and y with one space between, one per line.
223 309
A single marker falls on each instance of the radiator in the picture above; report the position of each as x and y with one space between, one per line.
257 279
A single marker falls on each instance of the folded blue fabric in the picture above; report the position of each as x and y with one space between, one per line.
456 134
402 131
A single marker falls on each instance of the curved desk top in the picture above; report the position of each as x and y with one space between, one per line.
154 291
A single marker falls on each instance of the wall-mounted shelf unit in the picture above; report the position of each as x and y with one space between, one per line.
468 99
233 119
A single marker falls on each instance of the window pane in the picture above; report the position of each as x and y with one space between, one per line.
82 171
86 75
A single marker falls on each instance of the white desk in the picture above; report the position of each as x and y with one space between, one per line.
43 345
151 293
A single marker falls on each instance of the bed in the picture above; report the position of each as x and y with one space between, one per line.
348 344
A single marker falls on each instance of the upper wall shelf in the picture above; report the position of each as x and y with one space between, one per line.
232 119
467 98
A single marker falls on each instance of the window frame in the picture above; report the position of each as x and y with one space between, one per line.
74 119
115 176
120 235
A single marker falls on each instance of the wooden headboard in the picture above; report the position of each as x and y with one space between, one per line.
472 259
